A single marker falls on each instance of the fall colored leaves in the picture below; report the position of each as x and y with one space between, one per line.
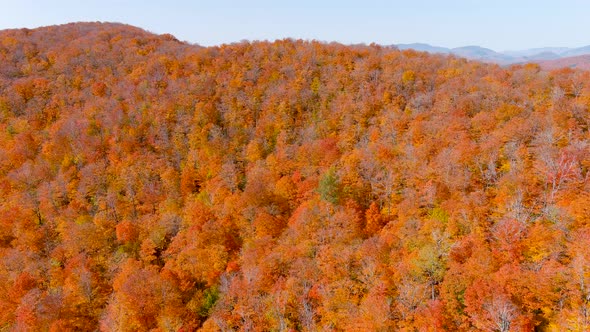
146 184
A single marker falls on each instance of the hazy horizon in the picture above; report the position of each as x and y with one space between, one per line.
501 25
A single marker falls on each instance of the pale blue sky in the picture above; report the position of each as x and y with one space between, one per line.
497 24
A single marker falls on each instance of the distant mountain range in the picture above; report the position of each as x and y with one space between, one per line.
550 57
577 62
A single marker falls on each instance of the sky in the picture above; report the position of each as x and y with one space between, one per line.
497 24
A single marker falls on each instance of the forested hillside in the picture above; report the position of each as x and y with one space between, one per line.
149 184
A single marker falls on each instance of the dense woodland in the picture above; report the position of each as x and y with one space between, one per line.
150 184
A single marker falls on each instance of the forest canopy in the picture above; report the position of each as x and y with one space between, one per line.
150 184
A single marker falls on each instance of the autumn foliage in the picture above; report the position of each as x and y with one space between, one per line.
147 184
